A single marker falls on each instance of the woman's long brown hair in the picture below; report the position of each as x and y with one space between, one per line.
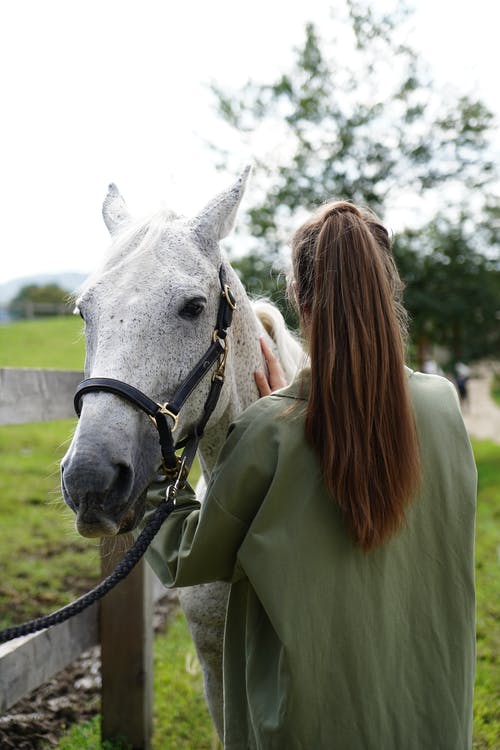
359 417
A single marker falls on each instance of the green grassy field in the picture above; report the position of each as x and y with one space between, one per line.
181 720
36 526
56 343
45 563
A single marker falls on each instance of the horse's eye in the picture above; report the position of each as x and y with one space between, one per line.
192 308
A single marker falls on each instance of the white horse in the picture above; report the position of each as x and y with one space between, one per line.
149 316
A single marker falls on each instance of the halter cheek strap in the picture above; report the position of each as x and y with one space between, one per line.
160 414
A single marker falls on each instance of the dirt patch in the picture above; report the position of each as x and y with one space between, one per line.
73 695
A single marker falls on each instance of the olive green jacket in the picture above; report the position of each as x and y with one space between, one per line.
327 647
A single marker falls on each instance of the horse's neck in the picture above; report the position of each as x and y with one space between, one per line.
246 358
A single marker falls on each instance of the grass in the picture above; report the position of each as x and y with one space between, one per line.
87 736
45 563
487 689
181 720
36 526
55 343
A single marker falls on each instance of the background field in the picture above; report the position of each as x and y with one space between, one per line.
56 343
45 563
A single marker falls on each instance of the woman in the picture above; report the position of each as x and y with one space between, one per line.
342 512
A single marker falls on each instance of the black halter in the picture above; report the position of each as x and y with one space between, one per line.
160 413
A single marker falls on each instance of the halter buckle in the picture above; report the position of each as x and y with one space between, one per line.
221 363
163 409
229 297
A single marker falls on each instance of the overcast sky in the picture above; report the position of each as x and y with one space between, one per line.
114 90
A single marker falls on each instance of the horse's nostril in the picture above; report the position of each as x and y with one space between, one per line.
102 485
123 481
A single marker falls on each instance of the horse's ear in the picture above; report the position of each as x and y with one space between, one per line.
114 210
218 217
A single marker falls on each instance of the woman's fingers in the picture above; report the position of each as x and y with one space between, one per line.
262 383
275 378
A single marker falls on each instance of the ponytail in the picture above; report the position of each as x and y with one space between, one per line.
359 417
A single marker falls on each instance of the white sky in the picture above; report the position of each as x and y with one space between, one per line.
115 90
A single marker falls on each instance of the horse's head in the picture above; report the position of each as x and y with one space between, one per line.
149 316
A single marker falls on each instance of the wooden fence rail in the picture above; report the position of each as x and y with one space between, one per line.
122 623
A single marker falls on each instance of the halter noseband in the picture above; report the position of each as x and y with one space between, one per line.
172 466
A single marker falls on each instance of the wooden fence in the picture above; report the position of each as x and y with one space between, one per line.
122 622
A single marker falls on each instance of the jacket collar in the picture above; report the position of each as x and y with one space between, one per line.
298 388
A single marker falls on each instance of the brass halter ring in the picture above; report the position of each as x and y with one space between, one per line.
164 410
228 295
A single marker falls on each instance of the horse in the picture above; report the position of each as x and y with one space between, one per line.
149 314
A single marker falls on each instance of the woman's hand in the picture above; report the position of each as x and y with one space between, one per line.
275 377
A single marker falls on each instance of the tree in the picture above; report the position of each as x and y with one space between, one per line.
453 289
262 280
37 300
350 123
353 127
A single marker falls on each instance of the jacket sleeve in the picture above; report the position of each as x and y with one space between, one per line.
199 543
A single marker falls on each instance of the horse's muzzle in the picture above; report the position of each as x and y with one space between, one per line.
101 496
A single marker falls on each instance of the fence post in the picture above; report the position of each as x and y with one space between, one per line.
126 621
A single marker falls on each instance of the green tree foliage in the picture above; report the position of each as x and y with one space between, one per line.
262 280
358 117
360 120
453 289
36 300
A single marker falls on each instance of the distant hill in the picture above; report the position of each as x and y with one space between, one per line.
69 281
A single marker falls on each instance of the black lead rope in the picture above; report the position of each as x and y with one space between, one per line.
122 570
175 469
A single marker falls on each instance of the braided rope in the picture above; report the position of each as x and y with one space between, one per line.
123 568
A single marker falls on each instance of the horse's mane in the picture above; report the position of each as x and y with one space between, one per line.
289 349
